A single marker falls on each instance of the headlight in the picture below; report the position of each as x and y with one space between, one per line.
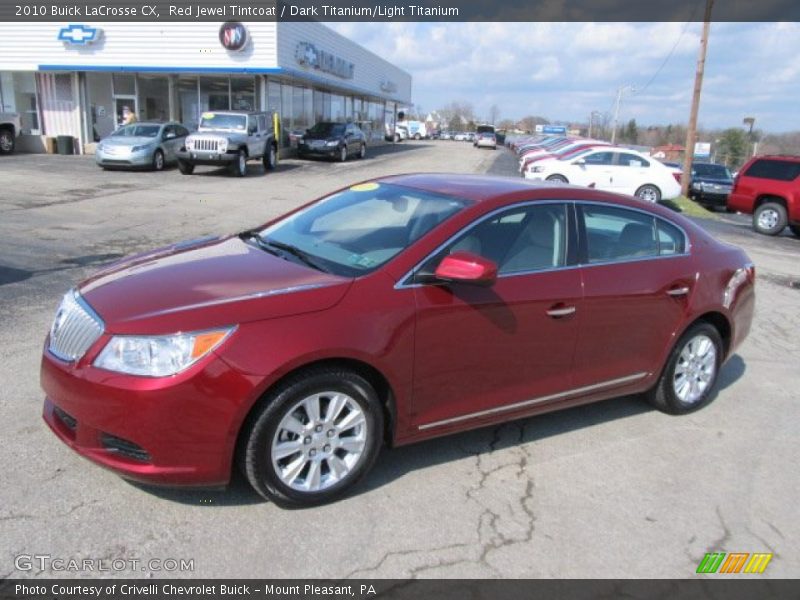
190 144
332 143
158 356
140 148
222 146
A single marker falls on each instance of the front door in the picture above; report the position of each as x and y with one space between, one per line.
121 103
481 351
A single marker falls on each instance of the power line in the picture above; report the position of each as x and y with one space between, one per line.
674 47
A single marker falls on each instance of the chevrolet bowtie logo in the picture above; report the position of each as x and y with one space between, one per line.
79 34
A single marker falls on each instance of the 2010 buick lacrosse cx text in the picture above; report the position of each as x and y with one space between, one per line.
388 312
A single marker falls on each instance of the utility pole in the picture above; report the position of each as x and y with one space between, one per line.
620 91
591 122
691 130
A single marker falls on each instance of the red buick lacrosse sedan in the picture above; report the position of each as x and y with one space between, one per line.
388 312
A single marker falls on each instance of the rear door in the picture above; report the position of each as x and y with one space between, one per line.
629 173
637 278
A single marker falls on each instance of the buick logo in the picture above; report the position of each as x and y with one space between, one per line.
233 36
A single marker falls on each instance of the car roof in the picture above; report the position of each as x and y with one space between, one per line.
786 157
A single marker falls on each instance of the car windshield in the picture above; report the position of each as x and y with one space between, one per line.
355 231
212 120
711 171
150 131
327 129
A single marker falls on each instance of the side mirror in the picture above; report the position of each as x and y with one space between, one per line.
465 267
580 161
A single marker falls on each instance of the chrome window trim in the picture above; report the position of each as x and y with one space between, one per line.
534 401
403 283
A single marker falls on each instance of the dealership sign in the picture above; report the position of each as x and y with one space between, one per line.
702 150
557 129
307 55
79 35
233 36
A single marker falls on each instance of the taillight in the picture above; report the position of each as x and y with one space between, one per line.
677 176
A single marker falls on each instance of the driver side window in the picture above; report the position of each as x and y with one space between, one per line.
519 240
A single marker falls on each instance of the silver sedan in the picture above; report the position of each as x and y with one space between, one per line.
145 144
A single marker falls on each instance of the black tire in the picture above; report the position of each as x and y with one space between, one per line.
396 137
239 165
256 457
362 152
417 137
663 395
649 193
558 178
158 160
7 141
795 229
186 168
343 153
270 158
770 218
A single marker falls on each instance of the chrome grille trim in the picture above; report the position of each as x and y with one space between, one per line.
206 144
75 328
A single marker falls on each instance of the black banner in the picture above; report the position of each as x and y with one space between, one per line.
396 10
746 587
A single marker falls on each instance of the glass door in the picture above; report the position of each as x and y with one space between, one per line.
123 105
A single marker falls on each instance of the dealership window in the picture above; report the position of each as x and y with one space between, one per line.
243 93
101 114
337 108
188 105
301 109
153 98
214 93
18 94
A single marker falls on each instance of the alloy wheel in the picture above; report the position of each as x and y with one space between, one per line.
696 369
319 441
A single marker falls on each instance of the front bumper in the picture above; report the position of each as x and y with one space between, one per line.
324 151
711 198
207 158
178 430
143 158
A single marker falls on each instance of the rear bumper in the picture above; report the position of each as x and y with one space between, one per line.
166 431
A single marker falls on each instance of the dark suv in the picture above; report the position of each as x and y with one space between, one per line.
768 188
710 184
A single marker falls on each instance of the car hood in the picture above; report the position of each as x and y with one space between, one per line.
129 141
326 138
221 133
210 283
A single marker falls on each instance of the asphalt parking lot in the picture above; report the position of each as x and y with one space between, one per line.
614 489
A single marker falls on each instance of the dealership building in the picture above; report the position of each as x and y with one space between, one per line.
74 79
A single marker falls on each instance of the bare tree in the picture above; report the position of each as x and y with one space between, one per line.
494 113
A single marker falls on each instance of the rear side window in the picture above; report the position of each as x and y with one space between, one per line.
616 234
780 170
631 160
670 239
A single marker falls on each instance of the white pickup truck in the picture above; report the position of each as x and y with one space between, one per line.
9 130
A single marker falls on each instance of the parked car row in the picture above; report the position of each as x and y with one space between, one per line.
223 138
597 164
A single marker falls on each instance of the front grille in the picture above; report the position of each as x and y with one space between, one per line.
74 329
206 145
124 448
65 418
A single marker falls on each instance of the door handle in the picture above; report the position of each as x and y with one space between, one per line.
678 291
561 312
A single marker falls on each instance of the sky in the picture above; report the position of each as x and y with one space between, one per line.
564 71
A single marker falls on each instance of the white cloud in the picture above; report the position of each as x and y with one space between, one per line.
566 70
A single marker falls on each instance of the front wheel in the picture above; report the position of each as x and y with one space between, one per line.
314 438
343 154
770 218
688 378
362 151
239 165
185 168
158 160
270 159
558 179
649 193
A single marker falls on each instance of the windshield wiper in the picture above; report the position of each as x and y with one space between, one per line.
296 252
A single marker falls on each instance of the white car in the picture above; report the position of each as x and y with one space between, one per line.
614 170
460 137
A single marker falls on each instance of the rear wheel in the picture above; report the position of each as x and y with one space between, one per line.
270 158
7 141
396 137
314 438
239 165
558 178
688 379
186 168
770 218
649 193
158 160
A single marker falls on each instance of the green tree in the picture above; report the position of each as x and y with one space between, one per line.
632 132
732 147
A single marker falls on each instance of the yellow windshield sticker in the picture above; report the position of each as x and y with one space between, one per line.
365 187
208 115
